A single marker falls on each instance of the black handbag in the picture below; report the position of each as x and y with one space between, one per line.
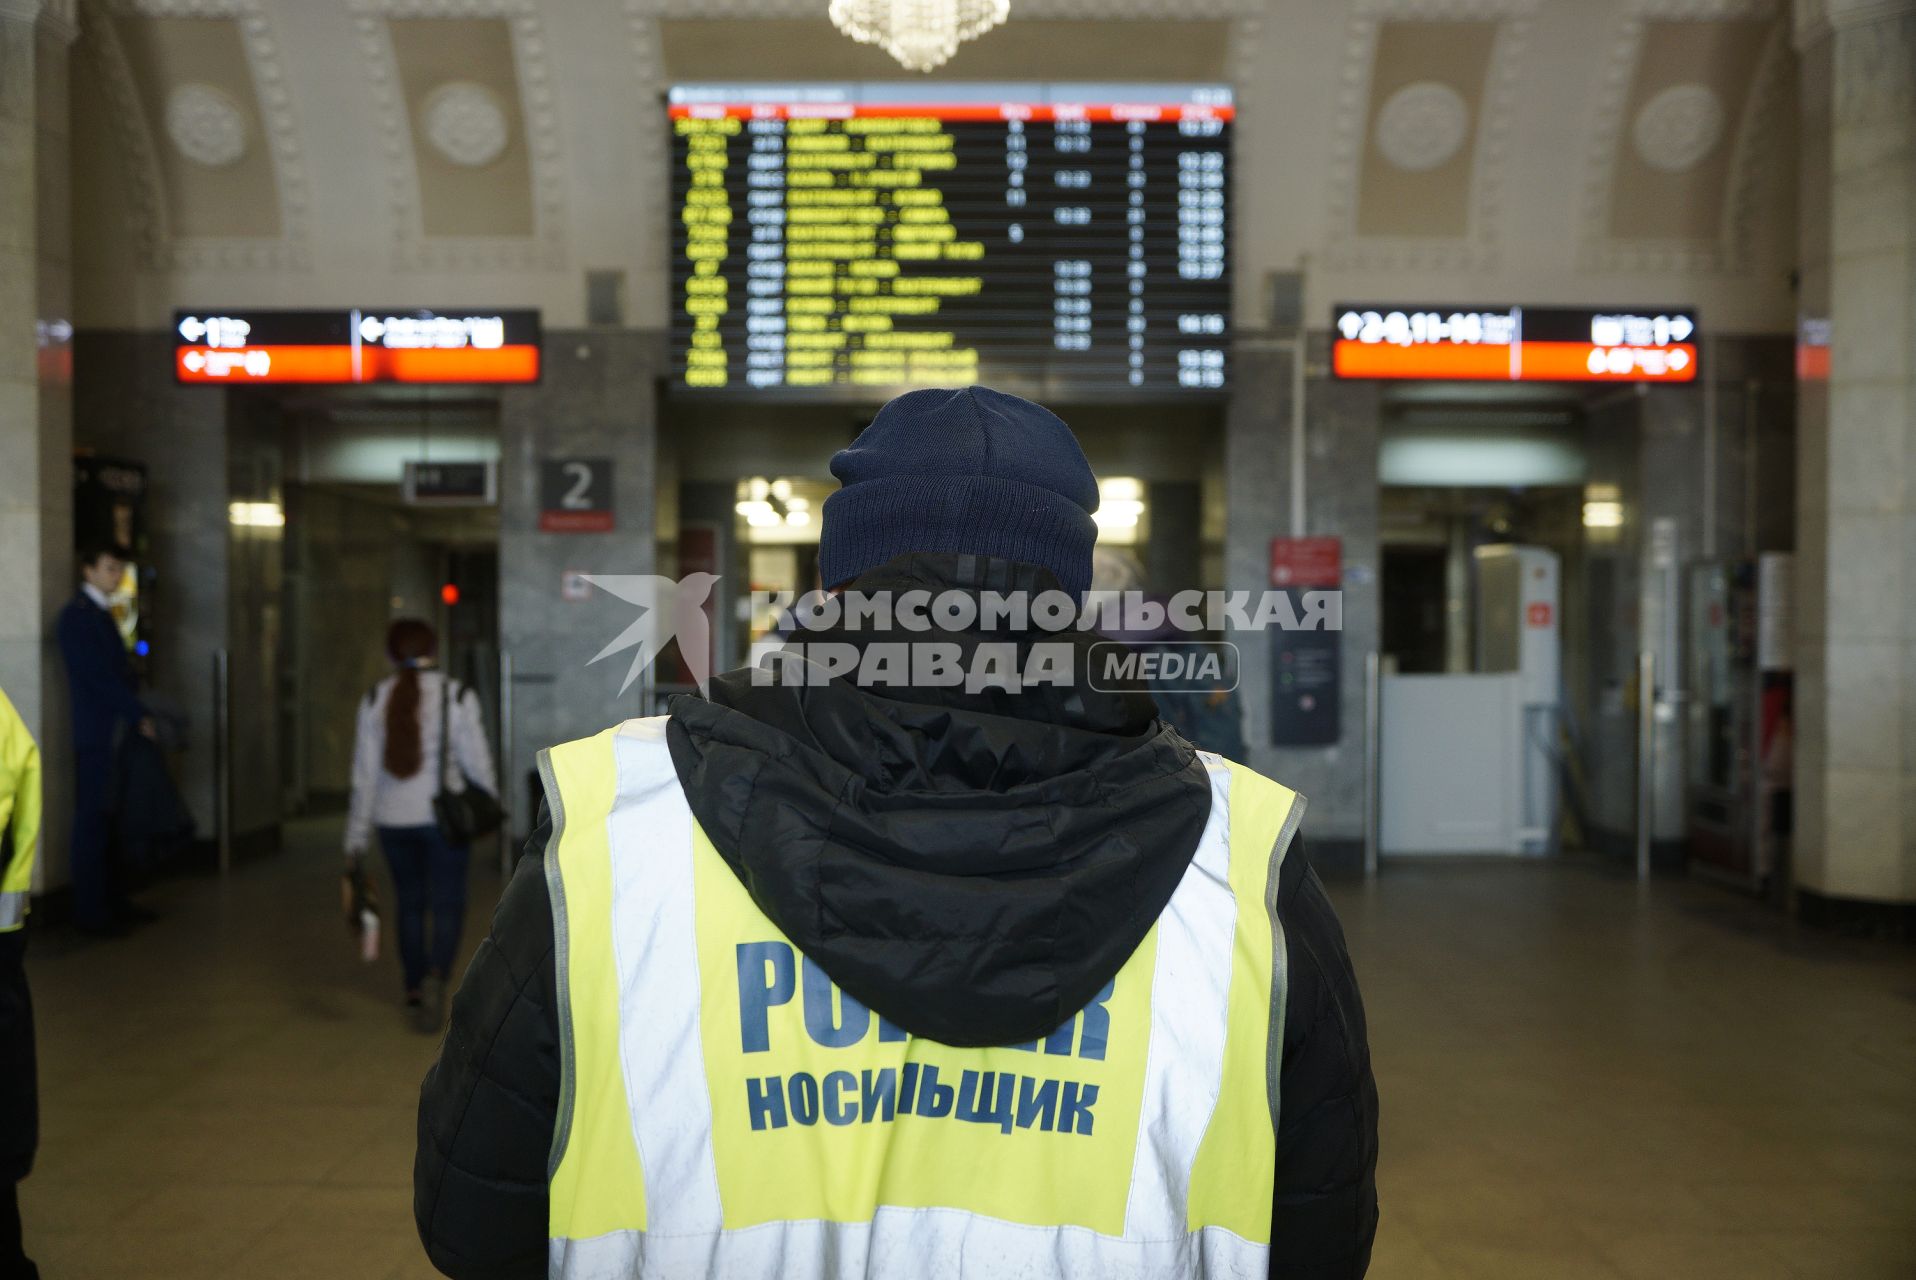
463 815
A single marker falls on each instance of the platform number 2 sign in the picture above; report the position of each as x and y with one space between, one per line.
575 495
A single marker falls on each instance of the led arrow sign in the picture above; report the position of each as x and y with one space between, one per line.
1513 344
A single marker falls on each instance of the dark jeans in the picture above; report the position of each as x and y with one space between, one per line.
429 877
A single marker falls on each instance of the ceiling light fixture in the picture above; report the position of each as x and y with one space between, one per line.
921 34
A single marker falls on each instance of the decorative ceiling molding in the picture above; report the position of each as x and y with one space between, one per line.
1812 21
205 125
1726 252
1477 250
1422 125
1750 158
414 250
1678 127
466 123
139 151
652 239
159 248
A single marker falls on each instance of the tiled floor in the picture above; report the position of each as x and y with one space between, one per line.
1583 1078
1579 1079
230 1092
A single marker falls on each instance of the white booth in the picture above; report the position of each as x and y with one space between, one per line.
1468 761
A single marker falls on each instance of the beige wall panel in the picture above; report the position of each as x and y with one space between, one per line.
493 199
237 199
1650 203
1393 201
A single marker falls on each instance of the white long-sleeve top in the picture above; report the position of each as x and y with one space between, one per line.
381 800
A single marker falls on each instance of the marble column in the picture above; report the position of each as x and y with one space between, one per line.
598 399
1855 761
1340 499
36 414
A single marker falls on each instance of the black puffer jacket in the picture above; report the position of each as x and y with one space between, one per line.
1053 797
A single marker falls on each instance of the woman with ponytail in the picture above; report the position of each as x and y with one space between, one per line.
398 768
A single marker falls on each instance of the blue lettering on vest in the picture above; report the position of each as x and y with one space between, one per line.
1059 1041
1092 1041
1037 1102
1008 1101
765 1099
821 1022
878 1095
986 1098
837 1110
802 1089
758 991
1097 1024
1074 1114
934 1100
907 1087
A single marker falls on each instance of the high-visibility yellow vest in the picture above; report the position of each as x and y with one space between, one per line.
19 815
727 1111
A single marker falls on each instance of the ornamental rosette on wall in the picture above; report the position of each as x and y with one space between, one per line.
1415 130
213 124
460 122
1673 132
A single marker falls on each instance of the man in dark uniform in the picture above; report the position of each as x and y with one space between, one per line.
106 705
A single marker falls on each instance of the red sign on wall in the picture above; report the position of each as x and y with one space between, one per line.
356 345
1539 613
1514 344
1307 562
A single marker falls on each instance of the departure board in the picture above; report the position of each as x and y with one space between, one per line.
1057 241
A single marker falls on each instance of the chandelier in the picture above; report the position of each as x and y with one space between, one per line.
921 34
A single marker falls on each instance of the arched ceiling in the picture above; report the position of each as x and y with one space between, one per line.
439 152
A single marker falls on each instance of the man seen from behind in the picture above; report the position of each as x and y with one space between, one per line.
826 975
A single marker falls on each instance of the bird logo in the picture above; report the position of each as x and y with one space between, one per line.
669 608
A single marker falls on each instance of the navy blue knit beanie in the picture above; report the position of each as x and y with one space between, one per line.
974 471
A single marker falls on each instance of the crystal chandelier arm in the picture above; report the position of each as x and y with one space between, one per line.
920 34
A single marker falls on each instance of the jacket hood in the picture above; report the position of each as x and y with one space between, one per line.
974 866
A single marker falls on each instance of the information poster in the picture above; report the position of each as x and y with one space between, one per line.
1307 665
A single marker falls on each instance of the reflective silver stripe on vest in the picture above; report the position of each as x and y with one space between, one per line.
654 916
1280 959
908 1244
13 909
1189 1014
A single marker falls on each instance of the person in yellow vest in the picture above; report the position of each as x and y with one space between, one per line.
19 1090
855 967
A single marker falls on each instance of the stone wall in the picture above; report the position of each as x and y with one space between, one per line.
598 400
1855 760
1340 487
